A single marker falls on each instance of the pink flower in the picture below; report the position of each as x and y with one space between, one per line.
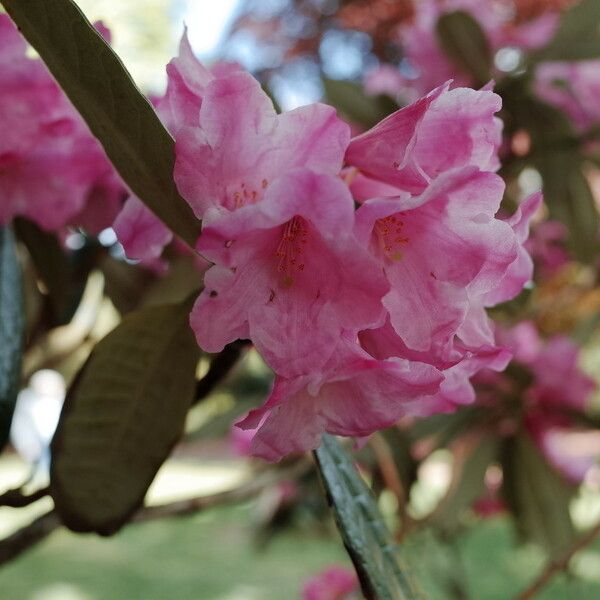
334 583
242 145
240 440
289 274
573 87
571 450
187 80
141 233
354 394
546 247
385 79
426 56
445 246
558 390
457 364
49 161
442 131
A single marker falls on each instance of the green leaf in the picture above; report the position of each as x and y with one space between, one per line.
121 418
12 324
367 540
50 260
569 199
578 35
465 43
117 113
537 496
471 460
350 99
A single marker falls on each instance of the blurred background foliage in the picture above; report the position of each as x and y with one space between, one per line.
479 507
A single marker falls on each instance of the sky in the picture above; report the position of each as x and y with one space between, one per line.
146 32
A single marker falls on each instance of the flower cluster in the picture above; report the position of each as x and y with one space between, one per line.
52 170
572 87
429 65
364 315
547 392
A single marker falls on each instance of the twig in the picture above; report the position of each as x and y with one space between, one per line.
244 492
389 471
16 499
219 368
28 536
557 565
43 526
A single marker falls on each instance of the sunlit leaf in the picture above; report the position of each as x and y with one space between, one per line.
104 93
122 416
11 330
367 540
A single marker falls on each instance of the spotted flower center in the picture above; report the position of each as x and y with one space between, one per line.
391 237
291 249
245 194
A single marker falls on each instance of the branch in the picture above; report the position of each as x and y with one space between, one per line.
244 492
16 499
220 366
557 565
30 535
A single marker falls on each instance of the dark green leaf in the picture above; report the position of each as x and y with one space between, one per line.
578 35
350 99
570 200
537 496
547 125
104 93
12 324
465 43
50 261
123 414
367 540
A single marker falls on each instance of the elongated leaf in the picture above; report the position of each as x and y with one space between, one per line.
104 93
463 40
577 37
537 496
350 99
121 418
471 460
570 200
12 323
367 540
50 261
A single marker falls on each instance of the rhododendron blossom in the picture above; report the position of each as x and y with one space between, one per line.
242 145
443 246
334 583
353 395
426 56
50 164
444 130
554 391
141 233
306 278
572 87
289 274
